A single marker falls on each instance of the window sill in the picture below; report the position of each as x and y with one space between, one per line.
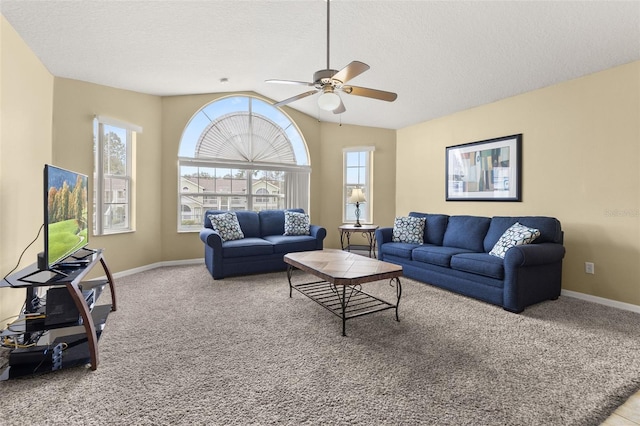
106 234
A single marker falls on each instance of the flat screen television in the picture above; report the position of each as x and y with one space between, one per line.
65 214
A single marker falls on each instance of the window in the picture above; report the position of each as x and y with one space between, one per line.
357 174
112 177
262 199
240 153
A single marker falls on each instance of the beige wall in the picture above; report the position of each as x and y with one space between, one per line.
334 138
26 98
581 150
75 105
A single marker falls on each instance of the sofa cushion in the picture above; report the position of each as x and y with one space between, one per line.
296 223
516 235
227 225
246 247
398 249
479 263
436 255
272 221
291 243
408 230
434 227
466 232
549 227
249 223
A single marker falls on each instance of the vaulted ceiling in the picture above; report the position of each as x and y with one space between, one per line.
440 57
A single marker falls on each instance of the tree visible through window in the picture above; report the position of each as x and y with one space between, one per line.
112 176
240 153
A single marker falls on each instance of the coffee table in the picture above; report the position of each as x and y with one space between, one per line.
342 275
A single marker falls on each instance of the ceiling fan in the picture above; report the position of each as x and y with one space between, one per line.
330 82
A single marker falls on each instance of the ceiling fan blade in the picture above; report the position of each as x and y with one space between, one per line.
302 83
352 70
370 93
340 108
295 98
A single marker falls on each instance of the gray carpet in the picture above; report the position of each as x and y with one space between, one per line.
184 349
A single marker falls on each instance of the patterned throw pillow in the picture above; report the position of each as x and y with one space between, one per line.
296 223
227 225
516 235
408 230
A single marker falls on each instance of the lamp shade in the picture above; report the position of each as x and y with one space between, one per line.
329 101
357 196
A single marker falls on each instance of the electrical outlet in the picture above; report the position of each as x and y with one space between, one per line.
589 268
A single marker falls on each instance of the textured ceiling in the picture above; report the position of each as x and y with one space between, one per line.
439 56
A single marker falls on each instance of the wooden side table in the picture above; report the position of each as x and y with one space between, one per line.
368 231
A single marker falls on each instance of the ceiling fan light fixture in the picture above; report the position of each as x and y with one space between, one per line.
329 101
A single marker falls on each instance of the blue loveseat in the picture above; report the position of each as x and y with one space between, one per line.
455 256
263 247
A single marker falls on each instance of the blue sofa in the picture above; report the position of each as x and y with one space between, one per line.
263 247
455 256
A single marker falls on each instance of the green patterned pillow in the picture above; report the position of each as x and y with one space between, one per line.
516 235
227 225
408 230
296 223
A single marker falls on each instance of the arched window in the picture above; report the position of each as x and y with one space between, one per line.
240 153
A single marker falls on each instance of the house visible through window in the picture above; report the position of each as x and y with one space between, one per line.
112 179
240 153
357 174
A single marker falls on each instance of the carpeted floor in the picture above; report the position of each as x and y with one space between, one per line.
185 349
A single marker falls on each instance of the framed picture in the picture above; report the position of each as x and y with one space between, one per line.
488 170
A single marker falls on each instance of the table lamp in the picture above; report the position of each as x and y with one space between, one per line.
356 198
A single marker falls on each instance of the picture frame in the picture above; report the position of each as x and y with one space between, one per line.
489 170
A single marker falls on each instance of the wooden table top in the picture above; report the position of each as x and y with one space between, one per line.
341 267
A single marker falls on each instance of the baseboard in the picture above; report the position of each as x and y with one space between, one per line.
601 300
156 265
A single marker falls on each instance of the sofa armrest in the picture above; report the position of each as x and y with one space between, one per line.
383 235
212 252
533 273
533 254
319 233
211 238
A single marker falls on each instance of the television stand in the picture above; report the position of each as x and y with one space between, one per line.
72 264
76 342
83 253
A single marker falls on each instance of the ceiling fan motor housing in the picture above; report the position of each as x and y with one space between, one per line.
324 77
